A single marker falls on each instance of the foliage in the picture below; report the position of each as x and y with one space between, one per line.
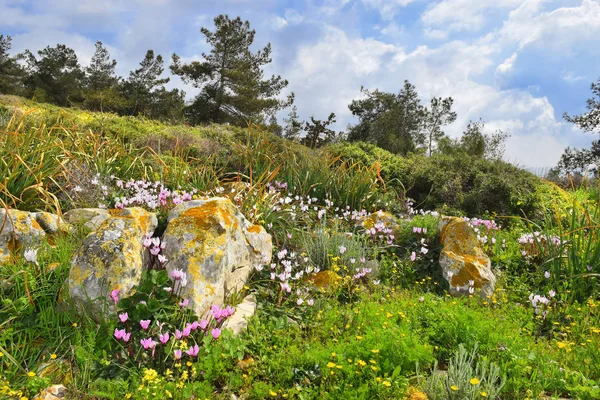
146 94
56 76
11 72
318 132
231 77
457 182
467 378
388 120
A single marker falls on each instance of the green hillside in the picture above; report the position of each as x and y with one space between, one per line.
369 312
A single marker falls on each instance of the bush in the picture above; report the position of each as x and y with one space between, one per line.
456 183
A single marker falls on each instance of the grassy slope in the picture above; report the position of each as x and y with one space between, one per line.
390 329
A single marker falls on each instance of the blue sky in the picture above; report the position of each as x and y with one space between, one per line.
516 64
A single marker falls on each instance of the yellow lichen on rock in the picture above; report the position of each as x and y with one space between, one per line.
464 264
112 256
212 242
19 231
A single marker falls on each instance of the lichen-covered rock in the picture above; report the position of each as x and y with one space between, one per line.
380 217
216 246
110 258
19 231
92 218
463 261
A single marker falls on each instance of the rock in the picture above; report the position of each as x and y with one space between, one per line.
238 322
217 248
462 260
19 231
54 392
92 218
381 217
110 258
52 224
325 279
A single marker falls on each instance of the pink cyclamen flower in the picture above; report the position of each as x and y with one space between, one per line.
342 249
162 259
178 334
203 324
119 333
147 241
123 317
115 295
177 354
147 343
216 333
310 302
193 351
186 331
164 338
299 301
126 336
145 323
547 275
184 303
413 256
424 250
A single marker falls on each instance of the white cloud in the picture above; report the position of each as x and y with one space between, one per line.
463 15
387 8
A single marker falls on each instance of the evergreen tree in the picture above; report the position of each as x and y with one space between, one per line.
11 73
293 126
145 93
437 115
318 132
589 121
393 122
231 77
578 160
55 77
101 82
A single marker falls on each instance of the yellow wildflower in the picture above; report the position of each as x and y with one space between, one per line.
474 381
454 388
386 383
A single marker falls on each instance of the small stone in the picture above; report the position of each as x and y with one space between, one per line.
238 322
54 392
92 218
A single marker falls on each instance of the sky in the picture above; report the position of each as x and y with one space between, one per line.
516 64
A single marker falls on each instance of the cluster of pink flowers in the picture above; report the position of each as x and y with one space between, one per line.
487 223
379 231
361 273
220 314
148 194
155 247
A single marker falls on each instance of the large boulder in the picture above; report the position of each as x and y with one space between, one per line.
91 218
19 231
111 258
464 264
216 246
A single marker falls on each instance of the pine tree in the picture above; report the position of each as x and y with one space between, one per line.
145 92
231 77
55 77
293 126
439 114
11 73
318 132
393 122
101 82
